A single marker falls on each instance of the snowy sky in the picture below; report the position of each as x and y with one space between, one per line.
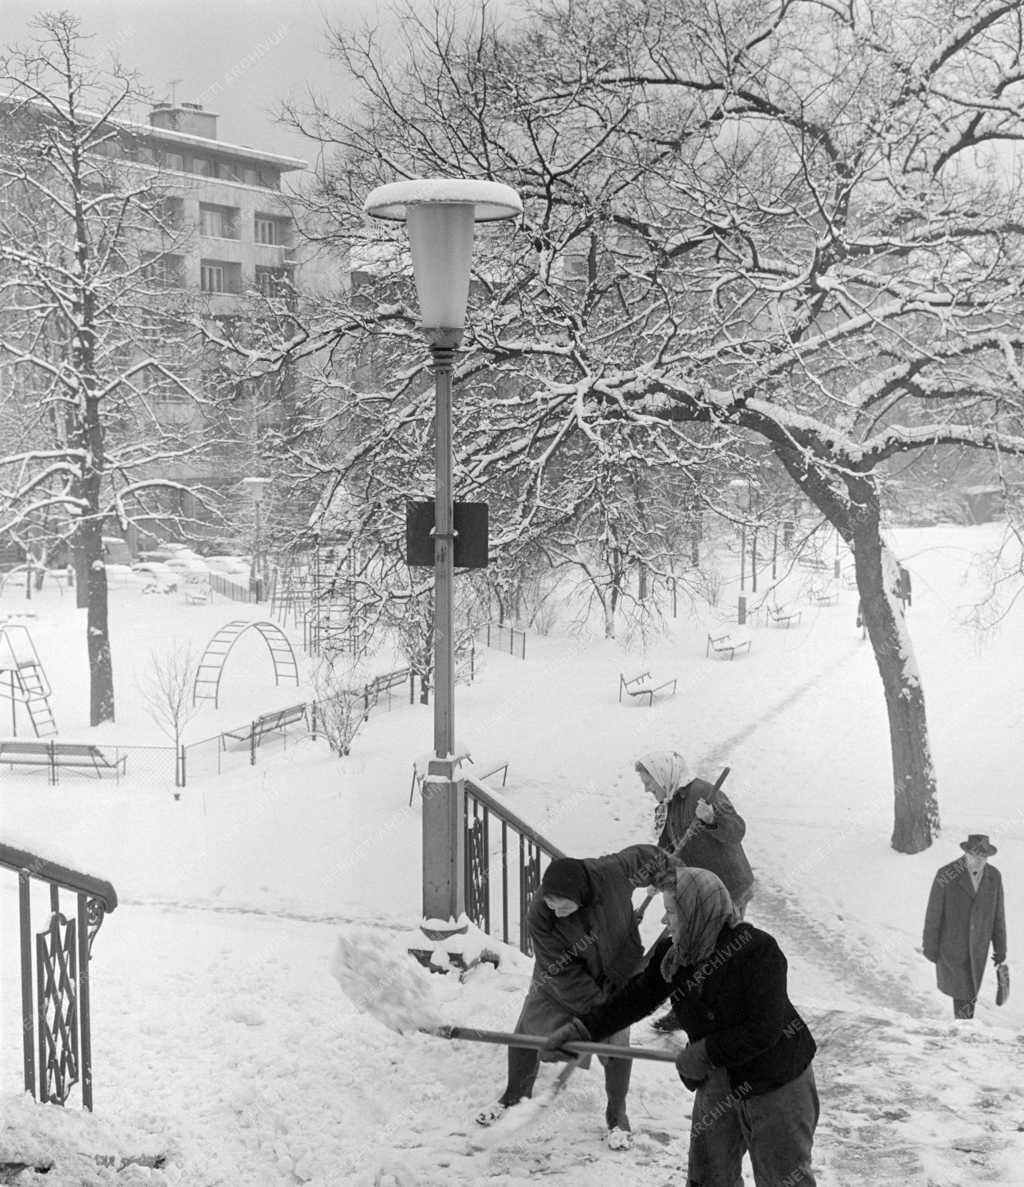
238 58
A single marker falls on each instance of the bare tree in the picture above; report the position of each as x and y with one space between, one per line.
339 703
92 345
792 232
166 688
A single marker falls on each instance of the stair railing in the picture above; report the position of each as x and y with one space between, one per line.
504 856
55 1013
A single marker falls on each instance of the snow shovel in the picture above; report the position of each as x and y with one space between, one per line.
473 1034
694 827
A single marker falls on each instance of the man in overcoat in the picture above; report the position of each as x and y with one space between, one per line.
586 945
965 918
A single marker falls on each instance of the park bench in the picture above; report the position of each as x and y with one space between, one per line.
783 615
266 723
644 685
824 597
481 771
728 643
381 686
807 560
53 755
197 591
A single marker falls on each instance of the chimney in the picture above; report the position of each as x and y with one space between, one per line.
184 117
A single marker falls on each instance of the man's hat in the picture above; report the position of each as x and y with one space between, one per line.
978 843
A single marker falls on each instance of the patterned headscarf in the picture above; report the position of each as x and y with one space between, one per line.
669 770
704 908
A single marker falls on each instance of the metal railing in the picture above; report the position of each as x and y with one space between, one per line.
55 979
503 866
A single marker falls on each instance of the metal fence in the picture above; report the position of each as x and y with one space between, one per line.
231 589
504 638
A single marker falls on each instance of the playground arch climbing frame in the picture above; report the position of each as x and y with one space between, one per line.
206 686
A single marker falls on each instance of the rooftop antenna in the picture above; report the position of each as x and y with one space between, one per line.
173 83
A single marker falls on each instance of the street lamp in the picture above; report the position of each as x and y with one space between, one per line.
439 215
256 487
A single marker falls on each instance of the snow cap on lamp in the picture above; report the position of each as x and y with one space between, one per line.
439 213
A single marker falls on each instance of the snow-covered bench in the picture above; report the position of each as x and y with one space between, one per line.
828 596
783 615
481 771
728 643
266 723
644 685
53 755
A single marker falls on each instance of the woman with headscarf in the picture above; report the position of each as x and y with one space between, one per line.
586 946
749 1055
715 840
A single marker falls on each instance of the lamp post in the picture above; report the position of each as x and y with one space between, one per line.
741 496
256 488
439 215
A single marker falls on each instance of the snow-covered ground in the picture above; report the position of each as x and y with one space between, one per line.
224 1048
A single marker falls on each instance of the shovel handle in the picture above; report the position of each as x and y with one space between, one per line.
473 1034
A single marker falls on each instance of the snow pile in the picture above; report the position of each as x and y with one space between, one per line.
384 980
87 1148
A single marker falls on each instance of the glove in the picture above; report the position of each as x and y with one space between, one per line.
572 1031
693 1065
705 812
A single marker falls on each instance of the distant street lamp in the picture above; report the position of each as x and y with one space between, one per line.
741 493
439 215
256 488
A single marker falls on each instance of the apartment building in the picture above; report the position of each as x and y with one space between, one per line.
233 245
229 195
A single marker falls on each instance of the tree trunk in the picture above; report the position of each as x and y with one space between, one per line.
101 671
854 511
916 813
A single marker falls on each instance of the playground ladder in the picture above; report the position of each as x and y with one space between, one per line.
22 679
37 700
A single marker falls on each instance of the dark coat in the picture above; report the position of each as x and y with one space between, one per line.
737 1000
960 925
715 847
583 957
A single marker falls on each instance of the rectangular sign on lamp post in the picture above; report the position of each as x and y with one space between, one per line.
471 526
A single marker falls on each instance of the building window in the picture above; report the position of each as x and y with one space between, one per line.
220 222
211 278
169 213
267 230
273 282
172 160
200 165
219 276
227 171
163 270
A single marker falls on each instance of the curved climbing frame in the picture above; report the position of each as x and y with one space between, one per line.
206 686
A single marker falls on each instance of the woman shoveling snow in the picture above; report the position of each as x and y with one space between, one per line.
587 945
